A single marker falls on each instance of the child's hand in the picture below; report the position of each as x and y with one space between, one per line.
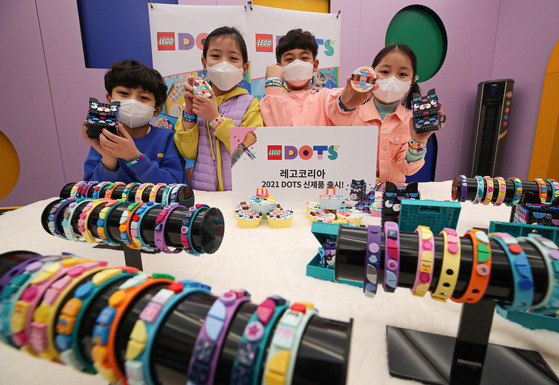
250 139
108 161
205 107
119 146
188 95
351 98
274 71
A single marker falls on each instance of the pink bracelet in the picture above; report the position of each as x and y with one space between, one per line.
425 261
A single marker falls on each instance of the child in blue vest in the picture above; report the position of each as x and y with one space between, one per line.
140 152
205 133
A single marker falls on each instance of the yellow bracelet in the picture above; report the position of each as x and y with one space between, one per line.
451 266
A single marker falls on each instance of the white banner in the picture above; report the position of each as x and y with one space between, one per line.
178 32
296 163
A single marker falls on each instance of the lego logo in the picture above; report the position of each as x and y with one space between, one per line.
274 152
166 41
264 43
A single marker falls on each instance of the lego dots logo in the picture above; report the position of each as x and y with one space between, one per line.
305 152
166 41
187 41
327 44
264 43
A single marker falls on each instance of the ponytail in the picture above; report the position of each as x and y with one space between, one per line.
414 89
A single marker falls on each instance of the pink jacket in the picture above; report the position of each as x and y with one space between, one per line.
301 108
394 134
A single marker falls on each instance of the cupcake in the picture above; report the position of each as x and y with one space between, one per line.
350 216
330 202
262 202
247 219
312 206
279 218
320 215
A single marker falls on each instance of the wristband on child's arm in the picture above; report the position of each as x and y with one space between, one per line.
217 121
273 82
189 116
136 160
342 107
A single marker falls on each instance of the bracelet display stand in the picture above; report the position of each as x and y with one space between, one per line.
468 358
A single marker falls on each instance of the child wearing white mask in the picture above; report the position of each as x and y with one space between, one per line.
300 106
140 152
205 132
401 151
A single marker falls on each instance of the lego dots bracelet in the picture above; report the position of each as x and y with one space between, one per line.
391 256
450 267
372 260
203 363
425 261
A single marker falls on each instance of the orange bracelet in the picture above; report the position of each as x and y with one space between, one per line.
481 268
111 188
542 189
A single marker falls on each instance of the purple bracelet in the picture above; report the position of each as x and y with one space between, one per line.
463 188
17 270
391 256
207 349
159 230
372 262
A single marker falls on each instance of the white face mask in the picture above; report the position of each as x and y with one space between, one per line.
134 113
224 75
298 72
391 89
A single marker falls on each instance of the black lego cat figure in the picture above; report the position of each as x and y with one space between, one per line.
392 197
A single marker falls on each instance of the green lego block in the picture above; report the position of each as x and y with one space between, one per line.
523 229
428 212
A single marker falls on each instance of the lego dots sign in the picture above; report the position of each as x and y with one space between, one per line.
178 33
296 164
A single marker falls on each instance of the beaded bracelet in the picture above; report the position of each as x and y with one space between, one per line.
67 216
135 160
159 229
186 229
521 272
217 121
102 230
372 260
554 188
488 189
542 187
97 189
425 261
416 147
127 189
481 267
140 191
273 82
154 190
83 222
67 339
124 225
203 363
517 191
480 188
257 332
502 190
342 107
550 254
189 116
391 256
246 150
111 187
142 338
450 267
41 338
282 353
136 225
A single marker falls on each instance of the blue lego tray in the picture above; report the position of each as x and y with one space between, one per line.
428 212
522 229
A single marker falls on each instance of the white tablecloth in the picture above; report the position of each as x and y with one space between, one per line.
268 261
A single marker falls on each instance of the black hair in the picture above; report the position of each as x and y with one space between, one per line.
222 31
406 50
132 74
296 38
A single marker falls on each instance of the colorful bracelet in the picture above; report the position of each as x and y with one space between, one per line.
521 272
203 363
463 181
481 267
154 190
186 238
273 82
135 160
450 267
372 261
502 190
75 188
83 222
41 338
488 189
82 192
391 256
124 225
67 216
417 146
127 190
542 187
282 352
53 216
550 254
159 229
480 189
554 188
97 189
111 188
250 353
342 107
174 193
189 116
67 335
142 337
102 230
425 261
247 151
217 121
136 225
104 334
517 191
140 191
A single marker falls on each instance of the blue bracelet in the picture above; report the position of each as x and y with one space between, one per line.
521 272
142 337
480 188
127 189
135 226
372 270
102 229
67 336
69 232
53 217
97 190
344 108
250 353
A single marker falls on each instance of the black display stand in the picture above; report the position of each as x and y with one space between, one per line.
133 257
467 359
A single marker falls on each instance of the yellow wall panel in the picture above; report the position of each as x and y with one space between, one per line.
297 5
